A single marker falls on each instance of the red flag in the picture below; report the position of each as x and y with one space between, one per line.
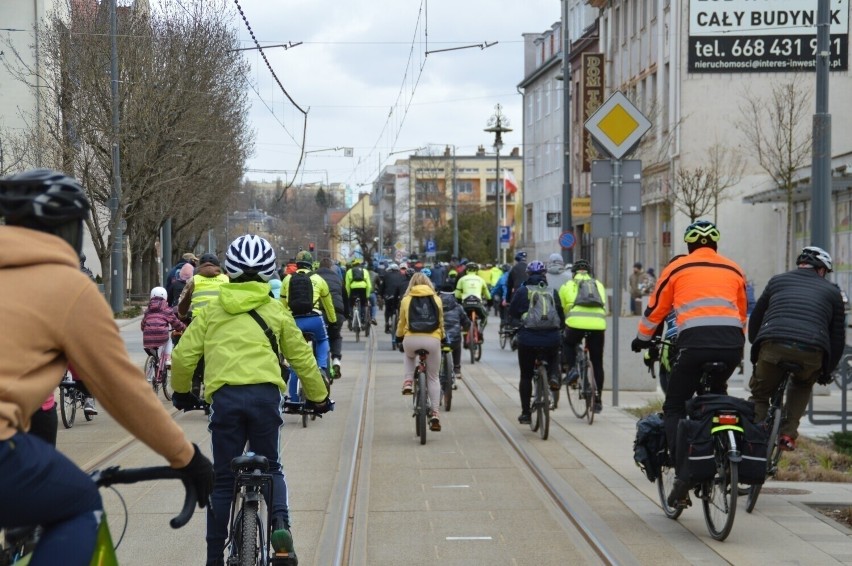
509 182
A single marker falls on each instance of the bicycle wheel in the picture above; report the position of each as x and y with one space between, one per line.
504 339
535 421
301 394
167 381
151 371
446 378
590 385
248 534
544 402
394 321
719 496
356 325
422 404
478 347
773 454
472 339
67 406
665 483
574 392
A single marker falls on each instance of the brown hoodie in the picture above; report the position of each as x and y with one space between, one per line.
53 314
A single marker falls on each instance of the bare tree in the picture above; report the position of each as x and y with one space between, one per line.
776 128
694 192
726 165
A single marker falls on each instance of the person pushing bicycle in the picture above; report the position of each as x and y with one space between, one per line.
59 317
798 318
243 381
707 290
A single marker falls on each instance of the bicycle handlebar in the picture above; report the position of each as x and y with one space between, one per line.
114 475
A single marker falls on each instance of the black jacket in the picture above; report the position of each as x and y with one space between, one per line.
521 304
800 306
335 287
394 284
517 277
454 317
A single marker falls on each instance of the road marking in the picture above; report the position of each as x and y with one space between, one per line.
449 486
469 538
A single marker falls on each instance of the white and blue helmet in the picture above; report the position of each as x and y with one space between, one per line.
250 255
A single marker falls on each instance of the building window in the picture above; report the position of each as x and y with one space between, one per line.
490 187
547 89
427 213
528 223
557 94
548 166
538 103
654 7
644 13
530 109
464 187
423 189
616 21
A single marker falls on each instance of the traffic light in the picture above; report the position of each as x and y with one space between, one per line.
311 246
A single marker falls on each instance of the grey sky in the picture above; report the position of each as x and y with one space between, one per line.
350 70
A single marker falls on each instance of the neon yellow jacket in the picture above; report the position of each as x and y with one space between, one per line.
322 295
472 284
496 274
204 290
366 283
235 349
419 291
582 318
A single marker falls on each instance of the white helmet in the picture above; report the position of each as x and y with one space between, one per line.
159 292
250 255
393 267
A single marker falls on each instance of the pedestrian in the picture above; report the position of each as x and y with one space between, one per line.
637 283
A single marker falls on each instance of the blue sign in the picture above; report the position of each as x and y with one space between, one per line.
567 240
430 246
505 234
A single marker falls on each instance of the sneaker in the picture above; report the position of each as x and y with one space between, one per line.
572 377
786 443
89 407
335 364
598 407
525 418
407 387
434 424
554 384
679 496
373 322
282 544
387 330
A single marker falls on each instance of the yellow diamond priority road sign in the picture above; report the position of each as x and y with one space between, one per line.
617 125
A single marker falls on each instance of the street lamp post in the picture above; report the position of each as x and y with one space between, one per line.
498 124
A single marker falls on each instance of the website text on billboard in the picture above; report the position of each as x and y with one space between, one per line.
762 35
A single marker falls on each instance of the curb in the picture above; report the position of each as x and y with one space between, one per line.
122 322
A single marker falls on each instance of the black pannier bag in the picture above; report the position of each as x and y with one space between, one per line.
650 445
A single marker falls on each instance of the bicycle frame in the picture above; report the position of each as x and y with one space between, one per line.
420 399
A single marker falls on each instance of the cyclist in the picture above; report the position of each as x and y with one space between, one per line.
307 297
393 288
471 291
174 283
243 382
454 320
707 290
583 301
58 316
517 275
358 287
202 288
557 275
535 333
328 271
798 318
374 300
422 329
499 292
156 322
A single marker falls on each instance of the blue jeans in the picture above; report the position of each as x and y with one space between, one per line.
243 414
374 307
40 486
315 324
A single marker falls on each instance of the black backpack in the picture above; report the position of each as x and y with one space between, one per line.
300 294
423 314
357 273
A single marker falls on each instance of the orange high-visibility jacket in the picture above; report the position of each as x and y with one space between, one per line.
707 291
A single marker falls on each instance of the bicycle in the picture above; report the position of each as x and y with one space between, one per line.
507 333
473 338
773 425
157 373
297 405
420 397
719 493
70 398
394 321
447 376
104 552
582 392
356 320
541 402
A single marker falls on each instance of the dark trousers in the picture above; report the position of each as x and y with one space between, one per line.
43 487
526 360
685 379
767 376
391 306
595 343
240 415
456 345
44 425
361 294
335 340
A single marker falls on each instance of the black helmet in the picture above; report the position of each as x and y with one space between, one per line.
817 257
45 200
208 258
581 265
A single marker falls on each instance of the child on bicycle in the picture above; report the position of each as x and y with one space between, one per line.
454 320
421 327
543 333
158 319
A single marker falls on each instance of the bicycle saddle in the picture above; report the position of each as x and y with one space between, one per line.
422 352
248 462
713 368
790 367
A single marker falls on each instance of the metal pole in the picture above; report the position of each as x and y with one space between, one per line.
455 209
821 159
117 282
497 199
381 191
616 270
567 220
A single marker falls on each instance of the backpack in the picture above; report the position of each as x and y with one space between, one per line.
300 294
542 314
423 314
588 295
357 273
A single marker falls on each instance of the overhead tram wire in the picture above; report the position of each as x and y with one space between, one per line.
287 94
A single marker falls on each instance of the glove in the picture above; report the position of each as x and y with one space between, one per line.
200 472
638 344
825 378
319 408
399 344
185 401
